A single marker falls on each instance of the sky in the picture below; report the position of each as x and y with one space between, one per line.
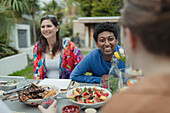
47 1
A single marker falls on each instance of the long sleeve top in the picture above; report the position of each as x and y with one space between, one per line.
70 56
95 63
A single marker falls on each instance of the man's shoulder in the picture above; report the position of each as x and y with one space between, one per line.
94 52
118 47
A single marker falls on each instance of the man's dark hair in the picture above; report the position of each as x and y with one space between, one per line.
106 26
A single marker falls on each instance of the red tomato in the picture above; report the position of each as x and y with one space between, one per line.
85 93
106 94
87 100
94 89
86 96
80 101
98 94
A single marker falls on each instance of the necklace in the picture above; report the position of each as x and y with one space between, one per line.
50 52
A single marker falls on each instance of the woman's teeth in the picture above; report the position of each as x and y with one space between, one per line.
46 33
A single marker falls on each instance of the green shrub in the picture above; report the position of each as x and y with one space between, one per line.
5 50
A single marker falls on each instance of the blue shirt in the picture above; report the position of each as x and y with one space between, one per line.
94 62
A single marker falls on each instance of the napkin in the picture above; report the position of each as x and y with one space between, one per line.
63 84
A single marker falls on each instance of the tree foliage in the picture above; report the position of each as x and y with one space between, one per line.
100 7
54 9
85 7
6 19
34 7
18 5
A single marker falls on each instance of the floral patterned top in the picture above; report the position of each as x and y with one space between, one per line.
70 56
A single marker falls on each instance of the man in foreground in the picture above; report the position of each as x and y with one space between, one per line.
145 29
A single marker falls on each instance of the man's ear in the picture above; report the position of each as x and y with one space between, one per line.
116 41
96 44
132 38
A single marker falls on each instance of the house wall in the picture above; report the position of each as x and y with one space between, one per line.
14 39
79 28
91 35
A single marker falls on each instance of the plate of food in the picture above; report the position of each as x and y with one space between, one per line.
33 94
89 96
1 92
5 85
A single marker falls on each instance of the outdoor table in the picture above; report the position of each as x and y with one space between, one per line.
20 107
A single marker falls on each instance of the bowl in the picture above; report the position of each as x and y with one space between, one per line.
94 104
90 110
36 102
1 93
71 109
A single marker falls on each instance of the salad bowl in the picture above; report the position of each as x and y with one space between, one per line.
89 96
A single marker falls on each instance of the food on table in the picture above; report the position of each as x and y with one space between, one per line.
51 93
71 109
7 83
3 82
35 92
89 95
1 92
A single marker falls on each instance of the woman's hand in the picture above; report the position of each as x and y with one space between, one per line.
51 109
104 77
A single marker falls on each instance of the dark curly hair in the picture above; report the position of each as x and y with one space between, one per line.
106 26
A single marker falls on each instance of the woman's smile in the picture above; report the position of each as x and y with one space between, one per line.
48 29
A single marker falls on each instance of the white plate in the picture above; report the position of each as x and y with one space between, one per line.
89 105
61 83
1 92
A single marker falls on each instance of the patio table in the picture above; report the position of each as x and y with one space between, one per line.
19 107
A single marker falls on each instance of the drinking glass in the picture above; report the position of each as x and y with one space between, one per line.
46 102
133 74
104 83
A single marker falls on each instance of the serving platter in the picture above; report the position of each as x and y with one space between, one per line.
36 102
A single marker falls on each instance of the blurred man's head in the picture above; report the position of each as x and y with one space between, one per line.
149 21
146 27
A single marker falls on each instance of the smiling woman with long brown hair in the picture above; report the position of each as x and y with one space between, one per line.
54 57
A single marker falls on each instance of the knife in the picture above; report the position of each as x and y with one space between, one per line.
12 91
